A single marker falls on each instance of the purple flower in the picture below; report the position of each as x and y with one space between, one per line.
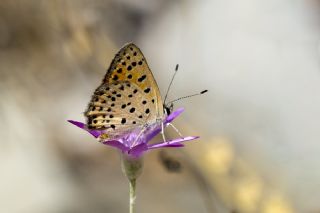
135 143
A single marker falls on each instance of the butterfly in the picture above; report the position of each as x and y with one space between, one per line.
128 97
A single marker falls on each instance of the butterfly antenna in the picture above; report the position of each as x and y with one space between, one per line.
188 96
174 74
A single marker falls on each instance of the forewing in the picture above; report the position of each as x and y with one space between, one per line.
128 97
130 65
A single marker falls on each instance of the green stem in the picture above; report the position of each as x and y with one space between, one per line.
132 185
132 168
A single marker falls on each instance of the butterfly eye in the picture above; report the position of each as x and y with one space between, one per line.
168 109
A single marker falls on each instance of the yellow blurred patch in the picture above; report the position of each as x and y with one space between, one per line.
276 203
248 193
219 155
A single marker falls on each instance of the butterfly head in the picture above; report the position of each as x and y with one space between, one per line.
168 108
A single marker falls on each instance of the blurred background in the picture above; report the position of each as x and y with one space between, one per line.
259 123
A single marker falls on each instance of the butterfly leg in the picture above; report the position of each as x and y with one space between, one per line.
159 120
140 133
162 132
170 124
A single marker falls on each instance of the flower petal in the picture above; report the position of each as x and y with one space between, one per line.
95 133
173 115
172 143
153 133
77 123
117 145
138 150
161 145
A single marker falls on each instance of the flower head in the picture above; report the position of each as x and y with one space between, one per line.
135 143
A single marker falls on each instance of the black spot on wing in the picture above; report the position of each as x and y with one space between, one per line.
142 78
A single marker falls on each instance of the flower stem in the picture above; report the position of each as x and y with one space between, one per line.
132 168
132 185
